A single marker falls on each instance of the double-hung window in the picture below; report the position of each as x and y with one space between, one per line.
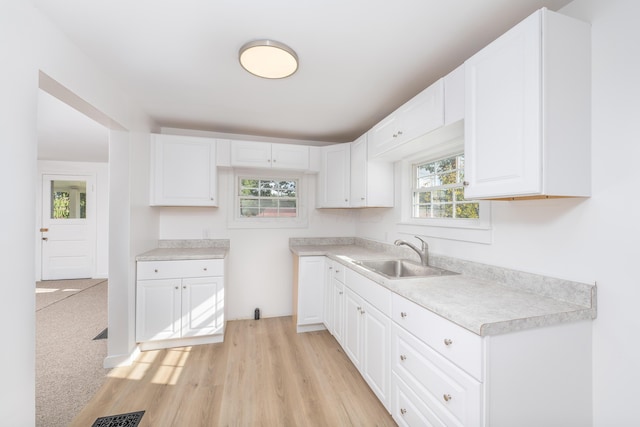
267 198
438 190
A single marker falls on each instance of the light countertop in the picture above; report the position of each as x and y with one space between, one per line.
171 250
485 300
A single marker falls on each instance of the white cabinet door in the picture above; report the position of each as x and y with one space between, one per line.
419 116
376 339
202 306
359 172
352 327
334 178
250 154
338 307
266 155
502 138
454 96
158 309
383 136
311 288
290 156
328 317
423 113
183 171
527 115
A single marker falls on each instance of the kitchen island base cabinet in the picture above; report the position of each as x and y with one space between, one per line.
179 303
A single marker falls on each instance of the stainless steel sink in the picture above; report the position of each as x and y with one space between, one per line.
402 268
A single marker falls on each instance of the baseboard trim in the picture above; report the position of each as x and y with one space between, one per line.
310 328
118 360
181 342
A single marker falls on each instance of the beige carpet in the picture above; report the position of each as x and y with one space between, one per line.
69 370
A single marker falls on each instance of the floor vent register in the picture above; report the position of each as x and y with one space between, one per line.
132 419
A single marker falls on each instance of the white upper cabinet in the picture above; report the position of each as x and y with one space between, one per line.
527 118
334 178
454 96
183 171
268 155
371 180
420 115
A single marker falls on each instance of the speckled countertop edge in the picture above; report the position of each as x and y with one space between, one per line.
175 250
478 304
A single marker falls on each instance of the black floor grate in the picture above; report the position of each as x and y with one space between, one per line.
102 335
132 419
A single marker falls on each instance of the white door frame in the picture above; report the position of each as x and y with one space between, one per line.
65 168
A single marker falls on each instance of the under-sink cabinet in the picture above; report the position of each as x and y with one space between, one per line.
367 331
179 302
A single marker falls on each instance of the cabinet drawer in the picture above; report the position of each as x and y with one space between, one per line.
180 268
375 294
338 271
450 392
408 409
462 347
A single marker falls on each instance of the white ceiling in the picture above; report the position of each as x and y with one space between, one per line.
359 59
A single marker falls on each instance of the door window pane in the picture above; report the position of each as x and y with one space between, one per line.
68 199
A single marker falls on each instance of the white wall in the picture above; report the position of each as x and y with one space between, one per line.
29 44
101 173
259 262
591 240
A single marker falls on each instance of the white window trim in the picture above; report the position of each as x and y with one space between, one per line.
470 230
233 213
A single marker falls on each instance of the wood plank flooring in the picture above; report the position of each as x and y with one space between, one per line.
264 374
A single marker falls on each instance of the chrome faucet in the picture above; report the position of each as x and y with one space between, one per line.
423 253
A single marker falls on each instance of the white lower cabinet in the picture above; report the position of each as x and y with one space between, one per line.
443 374
309 281
367 332
178 300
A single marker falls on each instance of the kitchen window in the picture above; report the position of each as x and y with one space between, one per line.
268 200
433 203
438 191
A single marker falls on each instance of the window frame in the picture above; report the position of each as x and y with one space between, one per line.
236 220
462 229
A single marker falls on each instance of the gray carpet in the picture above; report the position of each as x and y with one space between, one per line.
69 361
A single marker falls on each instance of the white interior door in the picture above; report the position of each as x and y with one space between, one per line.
68 226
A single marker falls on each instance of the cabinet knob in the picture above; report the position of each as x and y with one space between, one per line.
155 271
399 132
346 200
403 411
403 357
447 342
268 160
465 183
446 397
340 293
177 287
403 314
395 135
205 269
362 198
330 268
184 287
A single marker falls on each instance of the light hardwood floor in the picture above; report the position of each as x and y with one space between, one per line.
264 374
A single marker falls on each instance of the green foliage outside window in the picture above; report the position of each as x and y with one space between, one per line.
268 198
438 191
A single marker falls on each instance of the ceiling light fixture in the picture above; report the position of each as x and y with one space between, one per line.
268 59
